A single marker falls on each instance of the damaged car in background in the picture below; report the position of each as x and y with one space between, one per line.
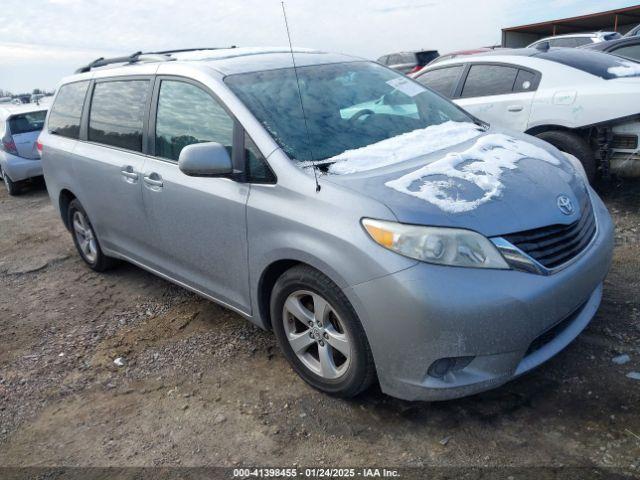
19 156
381 232
581 101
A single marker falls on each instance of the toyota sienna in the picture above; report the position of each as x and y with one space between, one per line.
380 231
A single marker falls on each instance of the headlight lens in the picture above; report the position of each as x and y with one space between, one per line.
577 165
443 246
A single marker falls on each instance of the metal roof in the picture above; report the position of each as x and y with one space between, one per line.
609 20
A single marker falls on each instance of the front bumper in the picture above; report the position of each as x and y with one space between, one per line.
19 168
425 313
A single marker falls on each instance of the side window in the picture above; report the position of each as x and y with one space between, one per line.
409 58
566 42
442 80
579 41
394 60
258 170
485 80
631 51
64 119
187 115
117 113
525 82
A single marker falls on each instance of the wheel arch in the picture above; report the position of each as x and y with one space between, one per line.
65 197
549 128
273 270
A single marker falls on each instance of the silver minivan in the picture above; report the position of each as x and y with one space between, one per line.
380 231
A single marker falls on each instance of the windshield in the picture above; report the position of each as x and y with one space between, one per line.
347 106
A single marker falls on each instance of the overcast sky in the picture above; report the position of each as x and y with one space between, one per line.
43 40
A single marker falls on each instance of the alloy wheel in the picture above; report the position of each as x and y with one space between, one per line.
316 334
85 237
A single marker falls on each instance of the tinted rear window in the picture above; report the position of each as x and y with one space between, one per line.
599 64
426 57
27 122
65 114
117 113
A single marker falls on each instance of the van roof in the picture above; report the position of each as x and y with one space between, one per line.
226 61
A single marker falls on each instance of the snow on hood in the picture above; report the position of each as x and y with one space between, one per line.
625 69
403 147
480 166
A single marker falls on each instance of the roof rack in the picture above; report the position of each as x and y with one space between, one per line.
160 56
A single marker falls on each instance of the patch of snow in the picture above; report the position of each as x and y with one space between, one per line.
621 359
625 68
403 147
481 165
119 361
634 375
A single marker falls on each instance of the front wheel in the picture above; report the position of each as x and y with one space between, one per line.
320 334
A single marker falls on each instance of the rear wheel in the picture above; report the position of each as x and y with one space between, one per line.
13 188
85 239
573 144
320 334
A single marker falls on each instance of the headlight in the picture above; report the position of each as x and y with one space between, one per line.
443 246
577 165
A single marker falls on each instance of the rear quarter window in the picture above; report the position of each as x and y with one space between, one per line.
27 122
64 119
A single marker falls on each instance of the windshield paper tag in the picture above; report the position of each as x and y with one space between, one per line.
406 86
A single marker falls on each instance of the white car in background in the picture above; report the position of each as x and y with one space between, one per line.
20 127
584 103
574 40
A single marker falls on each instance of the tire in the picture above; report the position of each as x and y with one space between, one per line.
342 375
13 188
87 244
573 144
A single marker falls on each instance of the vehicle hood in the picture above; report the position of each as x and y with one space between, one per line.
498 182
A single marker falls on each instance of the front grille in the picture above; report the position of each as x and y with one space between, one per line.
625 142
555 245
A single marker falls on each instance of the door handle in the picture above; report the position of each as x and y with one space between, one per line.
515 108
129 173
153 180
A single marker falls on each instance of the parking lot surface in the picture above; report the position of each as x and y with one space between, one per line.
199 385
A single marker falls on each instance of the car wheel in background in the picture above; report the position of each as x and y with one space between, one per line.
320 334
573 144
13 188
85 239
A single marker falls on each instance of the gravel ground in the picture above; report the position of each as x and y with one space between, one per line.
198 385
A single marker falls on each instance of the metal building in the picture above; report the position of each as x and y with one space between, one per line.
619 20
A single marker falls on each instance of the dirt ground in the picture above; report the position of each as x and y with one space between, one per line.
201 386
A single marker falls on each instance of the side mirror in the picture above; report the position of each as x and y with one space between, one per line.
209 159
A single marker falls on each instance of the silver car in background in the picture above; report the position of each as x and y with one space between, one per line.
378 229
19 156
